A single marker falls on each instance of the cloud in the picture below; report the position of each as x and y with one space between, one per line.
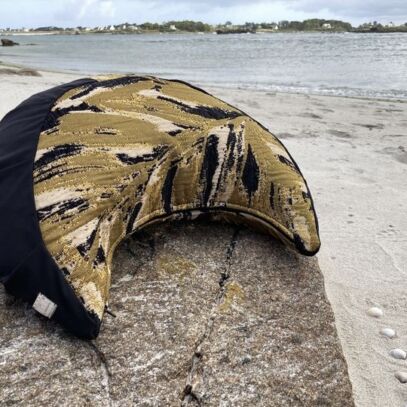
353 8
267 10
84 7
107 9
86 10
212 11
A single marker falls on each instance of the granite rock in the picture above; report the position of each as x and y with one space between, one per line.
8 43
205 315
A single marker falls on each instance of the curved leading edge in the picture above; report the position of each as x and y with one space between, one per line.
124 152
26 267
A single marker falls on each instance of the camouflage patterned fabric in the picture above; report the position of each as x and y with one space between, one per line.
124 152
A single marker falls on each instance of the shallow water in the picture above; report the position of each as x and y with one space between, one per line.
369 65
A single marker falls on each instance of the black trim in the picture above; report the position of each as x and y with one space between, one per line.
26 266
295 241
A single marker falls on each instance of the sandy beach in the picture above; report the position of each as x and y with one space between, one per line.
353 153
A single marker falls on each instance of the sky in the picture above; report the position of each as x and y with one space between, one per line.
72 13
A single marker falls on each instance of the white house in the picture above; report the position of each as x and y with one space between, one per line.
173 28
112 28
326 26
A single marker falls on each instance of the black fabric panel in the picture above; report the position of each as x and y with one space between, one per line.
40 274
26 267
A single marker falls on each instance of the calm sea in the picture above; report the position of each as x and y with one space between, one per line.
369 65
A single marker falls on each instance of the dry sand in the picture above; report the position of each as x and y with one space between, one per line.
353 153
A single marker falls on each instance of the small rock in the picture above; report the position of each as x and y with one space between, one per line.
398 354
401 376
375 312
388 332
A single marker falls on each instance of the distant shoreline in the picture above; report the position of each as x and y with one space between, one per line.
41 33
317 25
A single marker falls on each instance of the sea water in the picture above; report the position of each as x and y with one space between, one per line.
348 64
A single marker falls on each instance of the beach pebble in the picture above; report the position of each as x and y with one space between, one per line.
401 376
388 332
398 353
375 312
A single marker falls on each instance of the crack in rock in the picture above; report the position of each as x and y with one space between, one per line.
145 242
229 254
189 397
105 369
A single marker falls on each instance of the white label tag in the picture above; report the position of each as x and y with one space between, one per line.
44 306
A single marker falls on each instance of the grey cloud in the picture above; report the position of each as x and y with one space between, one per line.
353 8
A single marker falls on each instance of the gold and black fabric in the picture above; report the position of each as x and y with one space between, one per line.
86 164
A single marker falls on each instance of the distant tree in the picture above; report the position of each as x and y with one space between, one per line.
268 26
150 26
338 25
313 24
49 29
296 25
251 26
189 26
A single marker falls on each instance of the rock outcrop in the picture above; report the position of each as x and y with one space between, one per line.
19 71
8 43
205 315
